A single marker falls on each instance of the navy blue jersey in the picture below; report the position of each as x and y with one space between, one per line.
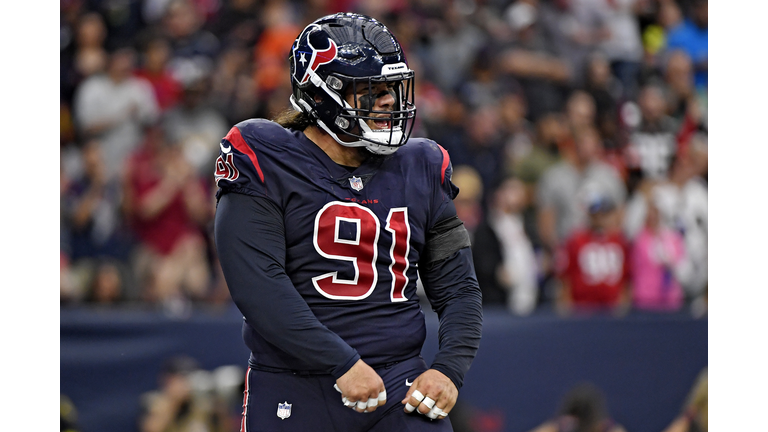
353 237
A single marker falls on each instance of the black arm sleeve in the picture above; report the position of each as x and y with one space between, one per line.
250 242
452 289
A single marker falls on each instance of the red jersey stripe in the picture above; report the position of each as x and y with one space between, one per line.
243 424
446 162
237 140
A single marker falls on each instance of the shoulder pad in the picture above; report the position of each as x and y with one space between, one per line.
431 152
267 133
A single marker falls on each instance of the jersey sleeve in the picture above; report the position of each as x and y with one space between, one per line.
440 170
449 276
239 165
452 289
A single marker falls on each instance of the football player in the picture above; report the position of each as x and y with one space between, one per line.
326 217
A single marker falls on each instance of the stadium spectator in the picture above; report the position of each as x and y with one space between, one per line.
484 142
270 51
667 16
193 48
237 23
115 107
656 257
452 47
504 258
682 203
469 203
606 91
107 285
196 126
678 77
623 46
652 135
99 244
551 135
593 264
91 204
576 29
167 204
451 131
89 56
123 21
154 68
233 92
518 131
583 409
692 36
184 401
533 61
563 186
580 111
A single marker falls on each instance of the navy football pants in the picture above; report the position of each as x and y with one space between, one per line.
315 406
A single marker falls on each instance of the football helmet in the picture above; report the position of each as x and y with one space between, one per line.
348 52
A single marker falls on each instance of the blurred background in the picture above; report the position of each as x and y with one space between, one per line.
579 138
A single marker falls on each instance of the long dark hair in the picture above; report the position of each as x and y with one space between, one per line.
289 118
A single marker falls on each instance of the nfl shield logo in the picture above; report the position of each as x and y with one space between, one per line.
356 183
284 410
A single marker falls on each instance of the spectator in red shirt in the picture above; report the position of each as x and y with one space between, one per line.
593 264
167 204
155 69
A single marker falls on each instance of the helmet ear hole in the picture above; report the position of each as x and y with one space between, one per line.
342 122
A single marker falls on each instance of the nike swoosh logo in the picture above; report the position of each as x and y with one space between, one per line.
408 383
225 149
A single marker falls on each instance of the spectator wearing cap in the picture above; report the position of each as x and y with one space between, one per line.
593 264
560 210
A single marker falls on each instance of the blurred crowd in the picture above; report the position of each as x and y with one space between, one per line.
577 131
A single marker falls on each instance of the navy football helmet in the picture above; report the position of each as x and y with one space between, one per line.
349 52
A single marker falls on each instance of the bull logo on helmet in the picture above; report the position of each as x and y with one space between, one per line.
317 57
